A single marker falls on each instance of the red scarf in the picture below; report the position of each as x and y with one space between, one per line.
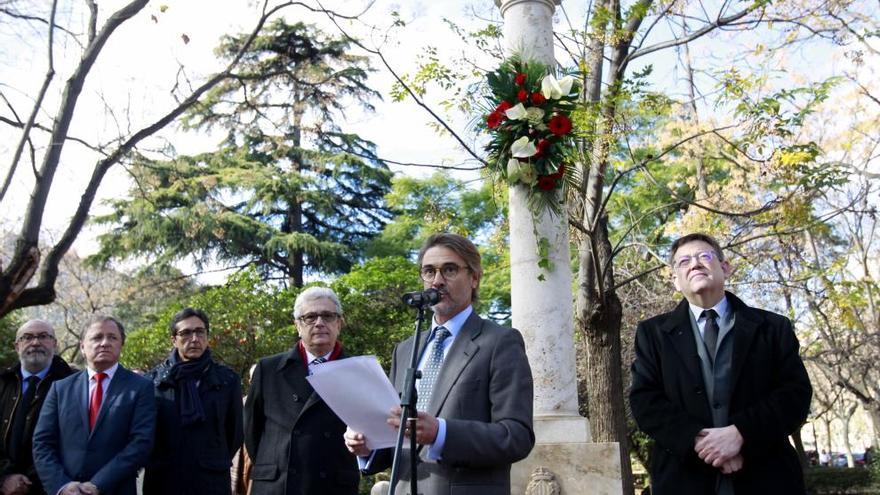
337 350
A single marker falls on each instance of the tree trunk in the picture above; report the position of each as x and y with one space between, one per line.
846 445
828 443
874 414
598 317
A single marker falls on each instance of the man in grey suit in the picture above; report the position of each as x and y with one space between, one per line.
475 394
96 427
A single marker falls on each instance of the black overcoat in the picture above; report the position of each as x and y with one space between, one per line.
293 437
195 459
770 399
10 395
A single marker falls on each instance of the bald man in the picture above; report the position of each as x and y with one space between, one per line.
23 388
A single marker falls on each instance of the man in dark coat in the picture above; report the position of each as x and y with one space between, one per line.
199 415
23 388
719 386
292 436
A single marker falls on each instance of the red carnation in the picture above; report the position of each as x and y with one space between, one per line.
522 96
494 119
546 183
559 125
520 79
538 99
503 107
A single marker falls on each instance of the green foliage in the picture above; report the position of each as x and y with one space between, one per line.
438 203
250 319
287 191
821 479
431 71
8 326
375 318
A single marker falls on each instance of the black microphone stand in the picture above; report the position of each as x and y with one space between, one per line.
408 402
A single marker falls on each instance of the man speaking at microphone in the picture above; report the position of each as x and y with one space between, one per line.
475 393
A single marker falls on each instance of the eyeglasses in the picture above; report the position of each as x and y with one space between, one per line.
704 257
449 271
312 318
29 337
189 334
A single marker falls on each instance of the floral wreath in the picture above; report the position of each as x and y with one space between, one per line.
528 117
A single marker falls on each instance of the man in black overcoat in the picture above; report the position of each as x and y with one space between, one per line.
199 415
293 437
23 388
719 386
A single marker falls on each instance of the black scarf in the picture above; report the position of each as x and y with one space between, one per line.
184 375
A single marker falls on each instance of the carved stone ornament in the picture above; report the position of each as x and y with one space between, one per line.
543 482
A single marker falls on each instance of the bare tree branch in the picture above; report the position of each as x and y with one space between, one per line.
47 80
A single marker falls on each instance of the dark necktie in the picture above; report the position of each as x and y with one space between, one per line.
432 369
20 418
710 332
316 362
97 398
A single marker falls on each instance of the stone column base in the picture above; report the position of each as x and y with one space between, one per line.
563 452
578 468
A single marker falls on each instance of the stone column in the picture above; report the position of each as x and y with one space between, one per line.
542 304
542 300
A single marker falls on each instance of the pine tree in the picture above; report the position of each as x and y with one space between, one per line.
287 190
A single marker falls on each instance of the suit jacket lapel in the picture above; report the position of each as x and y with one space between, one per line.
81 388
294 371
745 327
678 331
314 398
460 354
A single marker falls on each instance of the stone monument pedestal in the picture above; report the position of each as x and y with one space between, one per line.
563 448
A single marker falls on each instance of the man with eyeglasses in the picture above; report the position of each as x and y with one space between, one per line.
199 420
718 385
292 436
23 389
475 393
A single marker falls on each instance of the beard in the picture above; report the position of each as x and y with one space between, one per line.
36 359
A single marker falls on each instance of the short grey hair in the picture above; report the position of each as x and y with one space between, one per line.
312 294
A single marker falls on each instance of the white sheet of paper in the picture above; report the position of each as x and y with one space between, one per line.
358 391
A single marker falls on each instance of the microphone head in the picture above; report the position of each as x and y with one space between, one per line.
420 299
432 296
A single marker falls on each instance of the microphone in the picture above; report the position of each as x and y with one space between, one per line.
420 299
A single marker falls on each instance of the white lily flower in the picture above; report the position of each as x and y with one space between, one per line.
553 89
550 87
565 85
516 112
523 148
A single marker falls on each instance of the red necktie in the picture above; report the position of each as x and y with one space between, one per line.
97 397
